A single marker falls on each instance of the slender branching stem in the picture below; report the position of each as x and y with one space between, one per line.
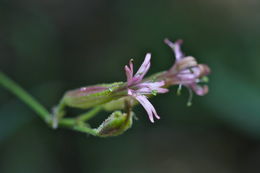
85 129
76 124
67 122
88 115
14 88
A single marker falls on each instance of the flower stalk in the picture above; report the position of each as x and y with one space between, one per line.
18 91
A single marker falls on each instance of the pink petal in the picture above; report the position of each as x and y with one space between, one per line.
162 90
176 47
152 86
144 67
199 90
148 107
144 90
129 72
130 92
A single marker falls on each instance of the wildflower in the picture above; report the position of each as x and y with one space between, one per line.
139 89
186 71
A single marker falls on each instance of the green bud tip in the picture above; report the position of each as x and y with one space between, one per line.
154 92
204 79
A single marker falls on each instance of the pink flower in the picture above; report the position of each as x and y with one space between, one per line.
186 71
139 89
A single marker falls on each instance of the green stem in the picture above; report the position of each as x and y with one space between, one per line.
85 129
71 123
90 114
67 122
76 125
14 88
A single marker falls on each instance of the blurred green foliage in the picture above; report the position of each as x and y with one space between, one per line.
52 46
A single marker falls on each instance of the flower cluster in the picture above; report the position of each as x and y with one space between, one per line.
185 72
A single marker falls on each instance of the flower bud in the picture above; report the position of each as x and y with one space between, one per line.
116 124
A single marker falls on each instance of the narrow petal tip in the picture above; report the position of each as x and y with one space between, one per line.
148 55
169 43
152 121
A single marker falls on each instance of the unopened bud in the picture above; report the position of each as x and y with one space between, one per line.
116 124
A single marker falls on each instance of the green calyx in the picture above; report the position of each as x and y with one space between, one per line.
116 124
93 95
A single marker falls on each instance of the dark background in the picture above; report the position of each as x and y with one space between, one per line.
50 46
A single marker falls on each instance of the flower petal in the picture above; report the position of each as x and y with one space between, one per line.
129 72
176 47
143 68
152 84
199 90
149 87
148 107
